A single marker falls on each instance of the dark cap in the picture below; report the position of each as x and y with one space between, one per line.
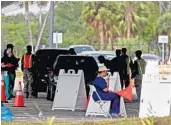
138 52
10 45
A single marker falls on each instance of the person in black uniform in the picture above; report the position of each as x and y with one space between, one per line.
104 61
72 51
127 66
116 65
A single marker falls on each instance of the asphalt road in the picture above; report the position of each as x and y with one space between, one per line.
33 107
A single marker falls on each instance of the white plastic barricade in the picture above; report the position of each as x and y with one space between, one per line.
155 99
152 67
117 81
148 78
93 108
16 84
70 91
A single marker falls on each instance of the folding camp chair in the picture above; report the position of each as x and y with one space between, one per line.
100 101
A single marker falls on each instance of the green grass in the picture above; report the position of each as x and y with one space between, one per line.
123 121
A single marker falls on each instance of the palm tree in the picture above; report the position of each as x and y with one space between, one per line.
132 17
94 14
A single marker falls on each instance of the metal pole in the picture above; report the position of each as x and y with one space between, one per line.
51 22
163 52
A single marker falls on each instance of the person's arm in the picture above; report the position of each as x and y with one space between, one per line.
101 83
131 64
135 69
33 60
14 63
22 63
3 65
107 85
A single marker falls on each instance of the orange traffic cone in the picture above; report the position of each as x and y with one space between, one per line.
19 99
3 96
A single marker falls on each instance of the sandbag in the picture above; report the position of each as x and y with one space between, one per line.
6 114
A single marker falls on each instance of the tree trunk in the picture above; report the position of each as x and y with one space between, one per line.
101 35
128 32
110 43
28 23
41 32
40 18
128 18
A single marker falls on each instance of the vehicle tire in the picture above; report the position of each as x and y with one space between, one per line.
48 92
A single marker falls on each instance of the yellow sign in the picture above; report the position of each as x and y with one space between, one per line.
164 71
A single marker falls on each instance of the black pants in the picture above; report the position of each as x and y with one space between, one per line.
126 80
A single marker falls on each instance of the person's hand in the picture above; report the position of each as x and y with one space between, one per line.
10 65
110 91
108 77
3 65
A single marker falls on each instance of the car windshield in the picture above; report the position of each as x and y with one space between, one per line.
106 56
82 48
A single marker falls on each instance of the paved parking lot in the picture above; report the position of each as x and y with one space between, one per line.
31 111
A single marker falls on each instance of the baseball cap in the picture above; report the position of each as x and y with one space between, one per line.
10 45
102 68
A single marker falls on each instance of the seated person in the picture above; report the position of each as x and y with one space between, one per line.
102 88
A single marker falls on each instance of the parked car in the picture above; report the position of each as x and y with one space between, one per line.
75 62
108 55
80 48
44 66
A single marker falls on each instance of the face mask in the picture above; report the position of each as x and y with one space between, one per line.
9 52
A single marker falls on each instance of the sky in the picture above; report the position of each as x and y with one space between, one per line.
15 9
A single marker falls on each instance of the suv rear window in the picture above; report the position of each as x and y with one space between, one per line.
47 57
80 49
85 63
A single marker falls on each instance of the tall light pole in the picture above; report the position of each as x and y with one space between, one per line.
51 23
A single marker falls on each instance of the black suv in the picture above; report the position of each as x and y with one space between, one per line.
44 66
85 63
